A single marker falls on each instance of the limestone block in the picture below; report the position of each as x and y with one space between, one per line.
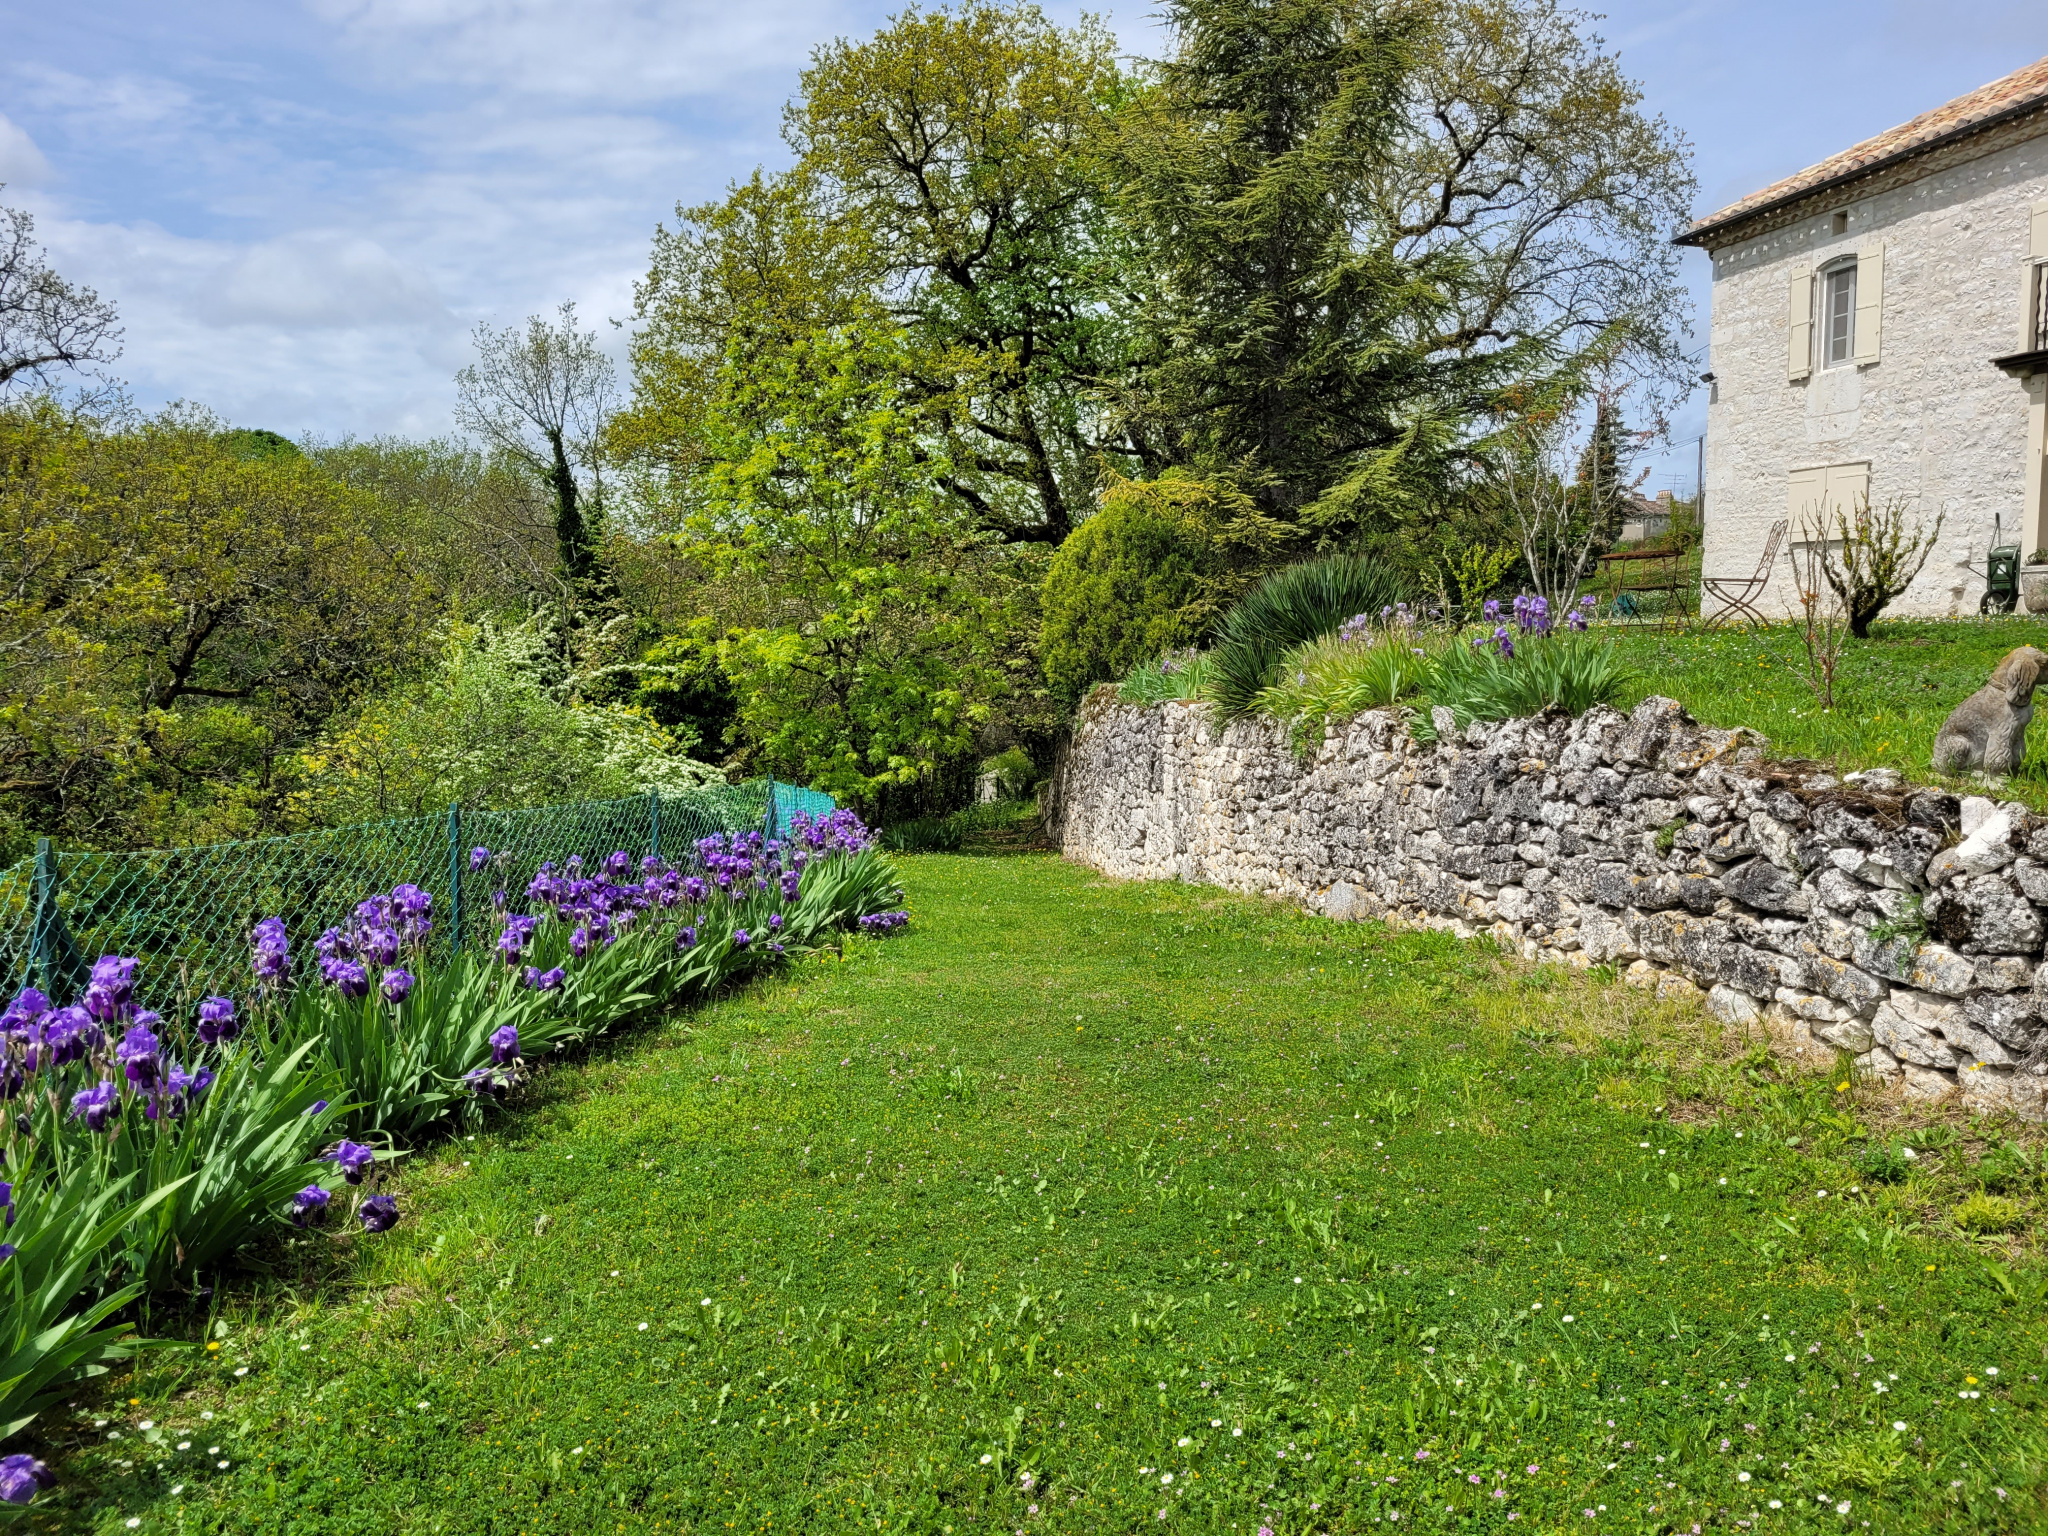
1927 967
1984 851
1340 902
2003 973
1984 914
1851 1035
1672 987
1514 904
1814 1007
1839 891
1730 1005
1990 1089
1641 973
2014 1020
1607 939
1909 1025
1974 812
1925 1084
1762 884
1880 1065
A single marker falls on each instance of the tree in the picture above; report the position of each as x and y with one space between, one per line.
540 396
176 622
1602 496
45 322
868 610
1361 226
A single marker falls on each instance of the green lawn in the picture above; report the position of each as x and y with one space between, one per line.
1080 1201
1892 694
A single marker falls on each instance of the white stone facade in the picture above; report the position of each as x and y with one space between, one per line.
1924 414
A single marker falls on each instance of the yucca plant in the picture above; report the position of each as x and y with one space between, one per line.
1288 609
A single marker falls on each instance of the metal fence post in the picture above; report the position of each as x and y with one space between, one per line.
771 807
654 822
455 876
56 957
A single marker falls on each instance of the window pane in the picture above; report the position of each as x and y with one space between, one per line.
1838 319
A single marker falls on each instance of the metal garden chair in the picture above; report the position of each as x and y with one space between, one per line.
1738 594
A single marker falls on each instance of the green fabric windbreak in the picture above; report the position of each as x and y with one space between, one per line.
185 913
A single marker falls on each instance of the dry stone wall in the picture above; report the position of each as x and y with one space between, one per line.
1900 926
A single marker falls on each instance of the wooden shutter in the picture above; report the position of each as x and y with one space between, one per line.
1799 324
1869 304
1803 510
2031 277
1848 485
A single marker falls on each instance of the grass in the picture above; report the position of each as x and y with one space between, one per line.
1892 694
1079 1186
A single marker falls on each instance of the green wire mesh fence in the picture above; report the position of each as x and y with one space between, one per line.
186 912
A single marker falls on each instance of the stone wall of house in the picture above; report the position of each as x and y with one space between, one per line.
1900 926
1937 425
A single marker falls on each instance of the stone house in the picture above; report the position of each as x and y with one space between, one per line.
1880 329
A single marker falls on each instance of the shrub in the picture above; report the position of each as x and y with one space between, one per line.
926 834
1142 575
1288 609
486 727
1016 774
1176 675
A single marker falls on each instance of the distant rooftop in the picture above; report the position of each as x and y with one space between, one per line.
2021 92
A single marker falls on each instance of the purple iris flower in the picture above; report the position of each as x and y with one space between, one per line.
740 938
316 1106
347 977
686 937
95 1105
693 888
486 1083
579 942
550 980
112 989
379 1213
6 1252
504 1045
21 1477
790 881
333 944
1489 611
478 858
180 1088
398 986
380 945
1504 641
28 1006
309 1204
616 866
354 1159
271 957
217 1020
518 932
7 1200
137 1054
775 922
70 1035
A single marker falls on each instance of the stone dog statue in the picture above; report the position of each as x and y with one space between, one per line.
1988 730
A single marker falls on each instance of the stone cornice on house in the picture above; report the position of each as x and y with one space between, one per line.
2008 111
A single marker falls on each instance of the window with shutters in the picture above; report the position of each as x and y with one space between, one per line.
1838 315
2037 309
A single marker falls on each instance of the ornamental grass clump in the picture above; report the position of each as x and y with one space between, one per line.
1176 675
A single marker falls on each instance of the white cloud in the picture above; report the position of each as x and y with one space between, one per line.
630 50
21 163
318 280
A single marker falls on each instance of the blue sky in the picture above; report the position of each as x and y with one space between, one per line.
302 207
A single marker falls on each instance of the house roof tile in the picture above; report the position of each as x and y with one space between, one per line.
2021 91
